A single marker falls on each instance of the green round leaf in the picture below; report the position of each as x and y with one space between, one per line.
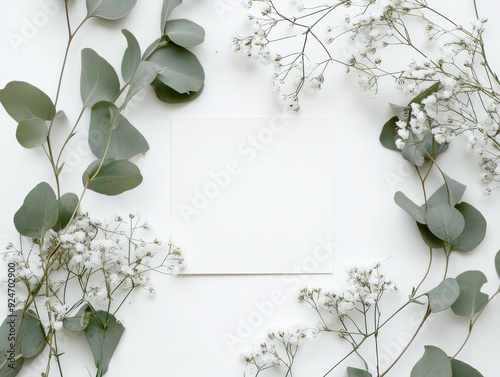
461 369
25 101
110 9
79 321
410 207
389 134
32 133
67 206
434 363
166 10
105 122
98 80
144 75
412 151
430 239
451 192
39 212
497 263
131 57
168 95
103 334
471 300
445 222
181 69
474 230
114 177
29 331
444 295
184 33
356 372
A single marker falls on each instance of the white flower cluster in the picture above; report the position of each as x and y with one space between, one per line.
93 258
268 352
365 286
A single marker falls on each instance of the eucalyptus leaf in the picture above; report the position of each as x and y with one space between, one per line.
410 207
106 122
181 69
32 133
430 148
430 239
166 10
7 370
109 9
79 321
412 151
29 332
168 95
131 57
184 33
389 134
497 263
426 93
461 369
67 204
471 300
39 212
450 192
444 295
25 101
474 230
434 363
114 177
103 334
445 222
144 75
355 372
98 80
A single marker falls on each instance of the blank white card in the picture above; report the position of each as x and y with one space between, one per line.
253 195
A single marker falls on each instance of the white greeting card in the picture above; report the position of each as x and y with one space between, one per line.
253 195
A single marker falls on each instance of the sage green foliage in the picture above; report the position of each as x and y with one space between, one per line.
176 76
444 295
182 76
355 372
29 339
32 133
111 135
109 9
461 369
98 80
415 150
39 212
103 334
112 177
444 221
79 321
23 101
497 263
471 300
434 363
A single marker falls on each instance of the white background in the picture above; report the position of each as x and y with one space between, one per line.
182 331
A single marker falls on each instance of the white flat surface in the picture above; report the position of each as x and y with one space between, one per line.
251 195
196 325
